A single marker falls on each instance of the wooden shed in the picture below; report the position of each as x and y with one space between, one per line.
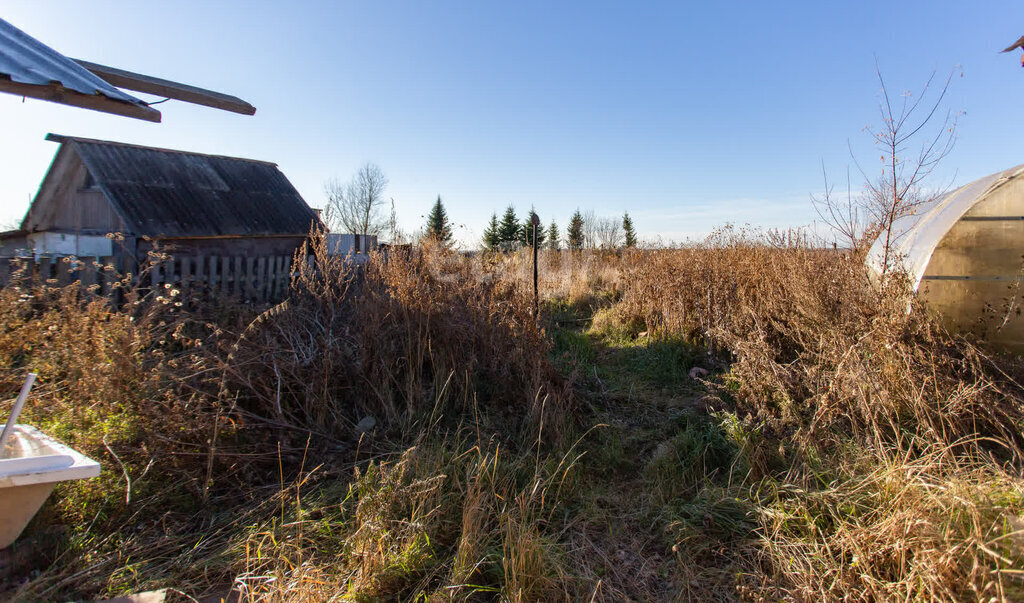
964 252
184 203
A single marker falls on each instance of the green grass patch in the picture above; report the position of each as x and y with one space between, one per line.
699 451
572 350
658 367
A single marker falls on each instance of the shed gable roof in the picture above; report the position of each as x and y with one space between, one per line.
167 193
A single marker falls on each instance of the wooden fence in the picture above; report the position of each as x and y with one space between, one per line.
245 278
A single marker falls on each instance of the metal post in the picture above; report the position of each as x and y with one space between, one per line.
535 220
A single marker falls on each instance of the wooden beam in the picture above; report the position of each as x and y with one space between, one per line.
56 93
162 87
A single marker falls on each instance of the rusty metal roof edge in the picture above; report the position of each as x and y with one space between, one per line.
63 138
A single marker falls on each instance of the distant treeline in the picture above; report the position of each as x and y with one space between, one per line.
585 231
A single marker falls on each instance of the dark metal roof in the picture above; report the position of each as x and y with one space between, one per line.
169 194
30 68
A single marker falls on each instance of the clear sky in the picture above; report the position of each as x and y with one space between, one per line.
688 115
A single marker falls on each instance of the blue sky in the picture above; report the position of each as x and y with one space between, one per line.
686 116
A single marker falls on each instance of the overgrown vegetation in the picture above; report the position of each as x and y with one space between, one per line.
749 419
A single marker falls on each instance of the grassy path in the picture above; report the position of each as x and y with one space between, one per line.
654 510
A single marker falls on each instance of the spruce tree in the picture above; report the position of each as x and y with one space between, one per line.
526 234
627 228
553 236
574 237
438 227
492 239
508 232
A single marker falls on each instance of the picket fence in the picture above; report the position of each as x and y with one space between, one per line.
246 278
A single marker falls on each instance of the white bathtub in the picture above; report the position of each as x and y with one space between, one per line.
31 464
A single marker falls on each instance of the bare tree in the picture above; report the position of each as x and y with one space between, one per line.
355 206
898 191
916 134
609 233
590 227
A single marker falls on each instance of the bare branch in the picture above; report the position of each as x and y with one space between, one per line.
901 186
842 217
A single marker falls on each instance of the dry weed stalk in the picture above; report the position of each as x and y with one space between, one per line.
882 419
400 338
205 406
873 456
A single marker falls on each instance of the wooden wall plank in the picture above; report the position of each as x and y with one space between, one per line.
155 278
261 264
62 272
278 277
286 282
238 278
250 290
225 275
215 274
110 276
200 274
37 271
170 275
6 269
87 274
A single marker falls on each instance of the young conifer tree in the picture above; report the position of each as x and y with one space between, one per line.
574 236
553 236
627 229
492 234
508 232
438 227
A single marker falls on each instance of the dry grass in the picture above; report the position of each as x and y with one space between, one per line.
205 419
905 527
888 452
405 340
402 432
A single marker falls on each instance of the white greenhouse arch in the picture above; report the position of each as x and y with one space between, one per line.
964 252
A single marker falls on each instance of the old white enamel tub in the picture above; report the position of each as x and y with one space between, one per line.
31 464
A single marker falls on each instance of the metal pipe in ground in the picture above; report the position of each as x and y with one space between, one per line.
535 220
18 404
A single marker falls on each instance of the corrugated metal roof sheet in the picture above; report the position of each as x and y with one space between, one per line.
25 60
166 193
